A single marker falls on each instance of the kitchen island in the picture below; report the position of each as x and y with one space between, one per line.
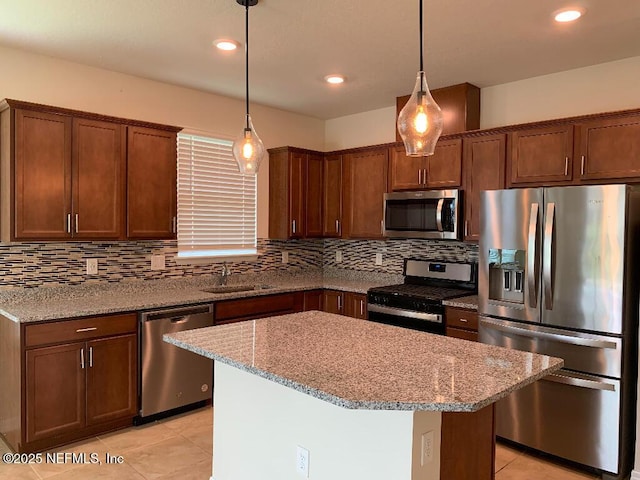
356 399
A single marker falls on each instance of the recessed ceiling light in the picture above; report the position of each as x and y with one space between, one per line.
335 79
568 14
226 44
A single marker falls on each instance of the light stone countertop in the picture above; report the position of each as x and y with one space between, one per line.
40 304
470 302
361 364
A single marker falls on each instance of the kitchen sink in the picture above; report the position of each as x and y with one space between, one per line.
234 288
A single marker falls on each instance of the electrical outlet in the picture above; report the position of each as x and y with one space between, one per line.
285 257
378 259
302 461
157 262
427 448
92 266
338 256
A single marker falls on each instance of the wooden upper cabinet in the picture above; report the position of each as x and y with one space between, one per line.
365 175
98 179
151 183
314 192
295 193
443 169
540 156
42 176
332 196
484 166
608 148
68 175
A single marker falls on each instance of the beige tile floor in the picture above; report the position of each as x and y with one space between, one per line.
180 448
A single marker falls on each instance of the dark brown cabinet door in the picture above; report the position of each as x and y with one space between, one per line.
111 379
151 183
55 390
365 186
313 300
42 176
98 164
484 164
356 305
444 167
406 173
609 149
332 196
313 196
541 155
333 302
297 183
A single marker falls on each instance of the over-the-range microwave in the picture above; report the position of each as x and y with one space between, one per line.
423 214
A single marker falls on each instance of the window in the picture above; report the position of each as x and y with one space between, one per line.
216 204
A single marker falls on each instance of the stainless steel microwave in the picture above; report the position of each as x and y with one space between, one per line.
422 214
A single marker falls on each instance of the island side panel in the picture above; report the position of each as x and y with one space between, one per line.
258 425
10 382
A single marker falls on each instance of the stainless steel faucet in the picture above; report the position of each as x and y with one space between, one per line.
226 273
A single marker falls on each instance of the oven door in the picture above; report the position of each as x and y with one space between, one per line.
423 214
399 317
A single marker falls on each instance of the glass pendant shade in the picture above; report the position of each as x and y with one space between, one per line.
248 149
420 121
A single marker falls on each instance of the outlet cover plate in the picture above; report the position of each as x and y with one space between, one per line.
92 266
378 259
285 257
302 461
338 256
157 262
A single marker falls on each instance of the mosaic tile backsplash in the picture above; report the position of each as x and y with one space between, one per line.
64 263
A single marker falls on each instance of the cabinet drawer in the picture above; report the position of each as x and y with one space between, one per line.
81 329
461 318
463 334
258 306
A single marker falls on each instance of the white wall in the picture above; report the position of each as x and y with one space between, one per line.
598 88
41 79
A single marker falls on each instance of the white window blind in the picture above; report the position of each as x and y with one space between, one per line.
216 204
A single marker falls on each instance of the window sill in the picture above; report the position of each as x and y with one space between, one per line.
201 260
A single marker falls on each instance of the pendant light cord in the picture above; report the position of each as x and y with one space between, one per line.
246 50
421 41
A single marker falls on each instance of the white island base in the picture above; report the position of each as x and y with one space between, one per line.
258 425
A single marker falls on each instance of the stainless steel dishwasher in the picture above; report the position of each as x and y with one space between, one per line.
170 376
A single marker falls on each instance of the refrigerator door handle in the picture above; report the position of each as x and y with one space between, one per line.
558 337
439 214
547 266
532 256
580 382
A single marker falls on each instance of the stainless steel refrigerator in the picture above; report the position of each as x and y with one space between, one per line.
559 274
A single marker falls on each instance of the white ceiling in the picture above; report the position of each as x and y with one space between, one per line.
295 43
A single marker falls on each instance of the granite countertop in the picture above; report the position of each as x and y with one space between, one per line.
40 304
470 302
367 365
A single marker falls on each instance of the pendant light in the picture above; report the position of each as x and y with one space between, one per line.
248 149
420 121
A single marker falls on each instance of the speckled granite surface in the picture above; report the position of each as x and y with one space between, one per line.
366 365
38 304
470 302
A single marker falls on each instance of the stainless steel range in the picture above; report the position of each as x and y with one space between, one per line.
417 303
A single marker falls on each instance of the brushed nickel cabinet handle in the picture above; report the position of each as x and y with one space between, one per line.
382 227
82 358
361 308
68 223
91 357
77 216
463 320
582 165
419 176
174 225
337 226
424 176
566 166
466 228
293 226
88 329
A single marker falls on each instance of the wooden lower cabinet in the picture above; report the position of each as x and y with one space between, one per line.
461 323
312 300
77 389
345 303
238 310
